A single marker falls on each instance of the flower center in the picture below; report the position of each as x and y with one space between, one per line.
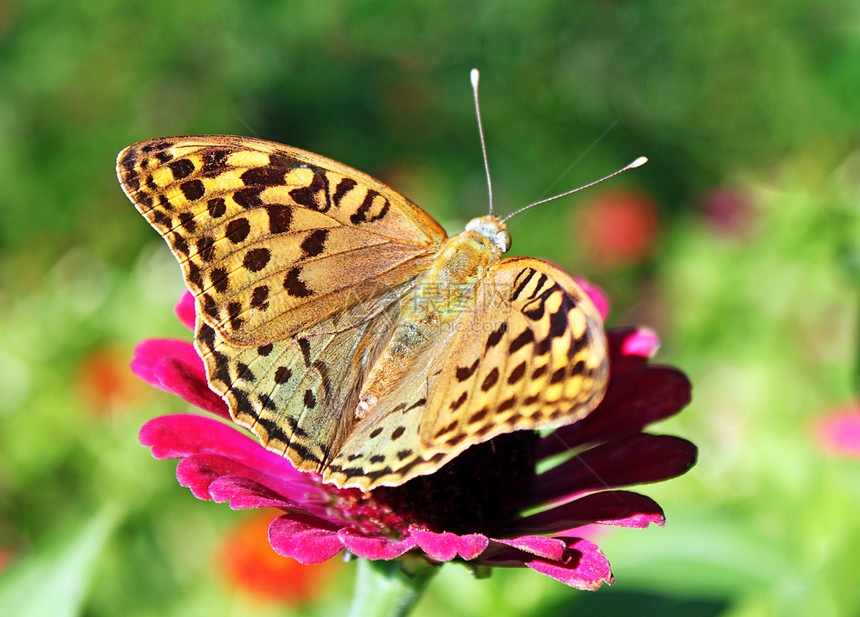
477 492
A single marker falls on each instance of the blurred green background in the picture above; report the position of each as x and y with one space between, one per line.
738 243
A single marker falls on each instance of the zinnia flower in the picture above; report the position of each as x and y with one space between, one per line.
514 501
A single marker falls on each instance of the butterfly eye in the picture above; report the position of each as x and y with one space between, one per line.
506 238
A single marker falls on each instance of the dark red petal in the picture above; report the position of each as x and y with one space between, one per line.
619 508
632 460
633 401
179 378
198 471
446 546
303 538
630 348
185 310
581 563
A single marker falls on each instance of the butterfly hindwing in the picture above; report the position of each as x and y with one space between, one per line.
529 353
538 357
292 392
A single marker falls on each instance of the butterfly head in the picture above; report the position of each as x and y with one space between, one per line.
492 228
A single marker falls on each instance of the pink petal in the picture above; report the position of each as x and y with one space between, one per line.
244 494
185 310
619 508
585 566
472 545
198 471
304 539
183 436
839 433
632 460
633 401
630 348
438 546
374 547
153 351
174 366
597 296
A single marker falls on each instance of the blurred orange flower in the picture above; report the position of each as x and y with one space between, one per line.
252 567
104 382
6 555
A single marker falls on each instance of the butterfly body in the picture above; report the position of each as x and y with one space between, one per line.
442 294
344 328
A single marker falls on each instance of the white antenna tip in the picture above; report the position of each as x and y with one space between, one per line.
638 162
474 76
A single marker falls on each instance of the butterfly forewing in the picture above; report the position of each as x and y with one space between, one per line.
297 264
273 239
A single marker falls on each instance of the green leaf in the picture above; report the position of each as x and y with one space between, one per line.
54 578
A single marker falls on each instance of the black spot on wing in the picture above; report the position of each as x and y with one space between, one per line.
192 189
464 372
294 285
343 187
314 196
524 338
181 169
280 218
305 346
214 161
314 243
496 336
256 259
237 230
263 176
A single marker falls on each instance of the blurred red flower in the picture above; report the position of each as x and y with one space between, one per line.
618 227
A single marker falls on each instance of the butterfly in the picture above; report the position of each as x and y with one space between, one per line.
344 328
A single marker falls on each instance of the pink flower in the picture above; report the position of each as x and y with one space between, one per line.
838 433
730 212
471 509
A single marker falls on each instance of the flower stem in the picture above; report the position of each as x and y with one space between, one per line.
389 588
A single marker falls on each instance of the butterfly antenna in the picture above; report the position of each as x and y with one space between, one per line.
637 163
475 75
